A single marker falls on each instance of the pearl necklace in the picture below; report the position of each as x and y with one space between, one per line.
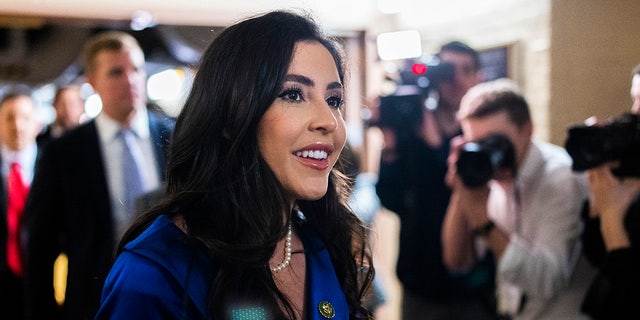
287 253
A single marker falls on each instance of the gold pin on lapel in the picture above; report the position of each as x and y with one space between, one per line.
326 309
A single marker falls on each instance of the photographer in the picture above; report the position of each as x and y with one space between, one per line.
612 227
411 184
526 215
612 230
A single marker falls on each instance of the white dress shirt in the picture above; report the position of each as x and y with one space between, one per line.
541 212
25 157
112 148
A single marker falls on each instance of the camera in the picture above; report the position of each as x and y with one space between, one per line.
426 74
479 160
402 110
402 114
617 140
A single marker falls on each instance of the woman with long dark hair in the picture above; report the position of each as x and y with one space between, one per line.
255 223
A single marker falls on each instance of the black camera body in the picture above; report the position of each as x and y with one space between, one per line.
427 75
617 140
402 111
402 114
479 160
440 72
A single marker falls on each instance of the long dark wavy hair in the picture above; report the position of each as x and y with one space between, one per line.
219 183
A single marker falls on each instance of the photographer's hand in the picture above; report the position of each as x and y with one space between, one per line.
457 237
467 214
389 153
474 204
610 198
472 201
451 179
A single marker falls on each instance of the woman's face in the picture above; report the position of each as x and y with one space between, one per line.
302 133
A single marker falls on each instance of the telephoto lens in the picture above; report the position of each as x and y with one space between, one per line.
618 140
479 160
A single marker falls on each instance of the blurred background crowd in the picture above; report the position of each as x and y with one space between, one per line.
411 65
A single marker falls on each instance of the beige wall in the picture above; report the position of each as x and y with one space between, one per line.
594 46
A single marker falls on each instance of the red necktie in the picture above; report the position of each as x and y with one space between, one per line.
15 206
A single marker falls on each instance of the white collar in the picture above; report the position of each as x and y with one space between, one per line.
108 128
25 157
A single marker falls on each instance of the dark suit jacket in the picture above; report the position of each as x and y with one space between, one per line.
69 210
45 136
9 304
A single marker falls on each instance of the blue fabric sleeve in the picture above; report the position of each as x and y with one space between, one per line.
139 288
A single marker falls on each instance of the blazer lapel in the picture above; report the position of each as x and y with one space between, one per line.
160 130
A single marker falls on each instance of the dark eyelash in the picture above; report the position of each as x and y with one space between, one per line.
290 89
341 101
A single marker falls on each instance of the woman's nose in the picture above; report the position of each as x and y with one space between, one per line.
325 119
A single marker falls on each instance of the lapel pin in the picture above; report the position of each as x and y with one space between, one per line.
326 310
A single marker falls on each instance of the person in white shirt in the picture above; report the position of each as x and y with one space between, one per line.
527 216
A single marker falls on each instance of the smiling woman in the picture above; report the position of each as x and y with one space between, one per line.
300 136
255 222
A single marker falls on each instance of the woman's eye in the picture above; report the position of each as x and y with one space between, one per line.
335 102
291 95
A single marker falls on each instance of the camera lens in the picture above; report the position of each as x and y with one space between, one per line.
478 161
616 141
474 165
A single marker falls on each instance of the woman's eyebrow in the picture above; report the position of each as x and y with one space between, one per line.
334 85
308 82
300 79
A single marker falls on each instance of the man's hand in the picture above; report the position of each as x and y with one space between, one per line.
472 201
609 198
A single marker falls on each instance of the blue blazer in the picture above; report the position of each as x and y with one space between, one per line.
69 210
160 275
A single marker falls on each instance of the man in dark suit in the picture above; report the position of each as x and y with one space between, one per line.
80 200
18 156
69 107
